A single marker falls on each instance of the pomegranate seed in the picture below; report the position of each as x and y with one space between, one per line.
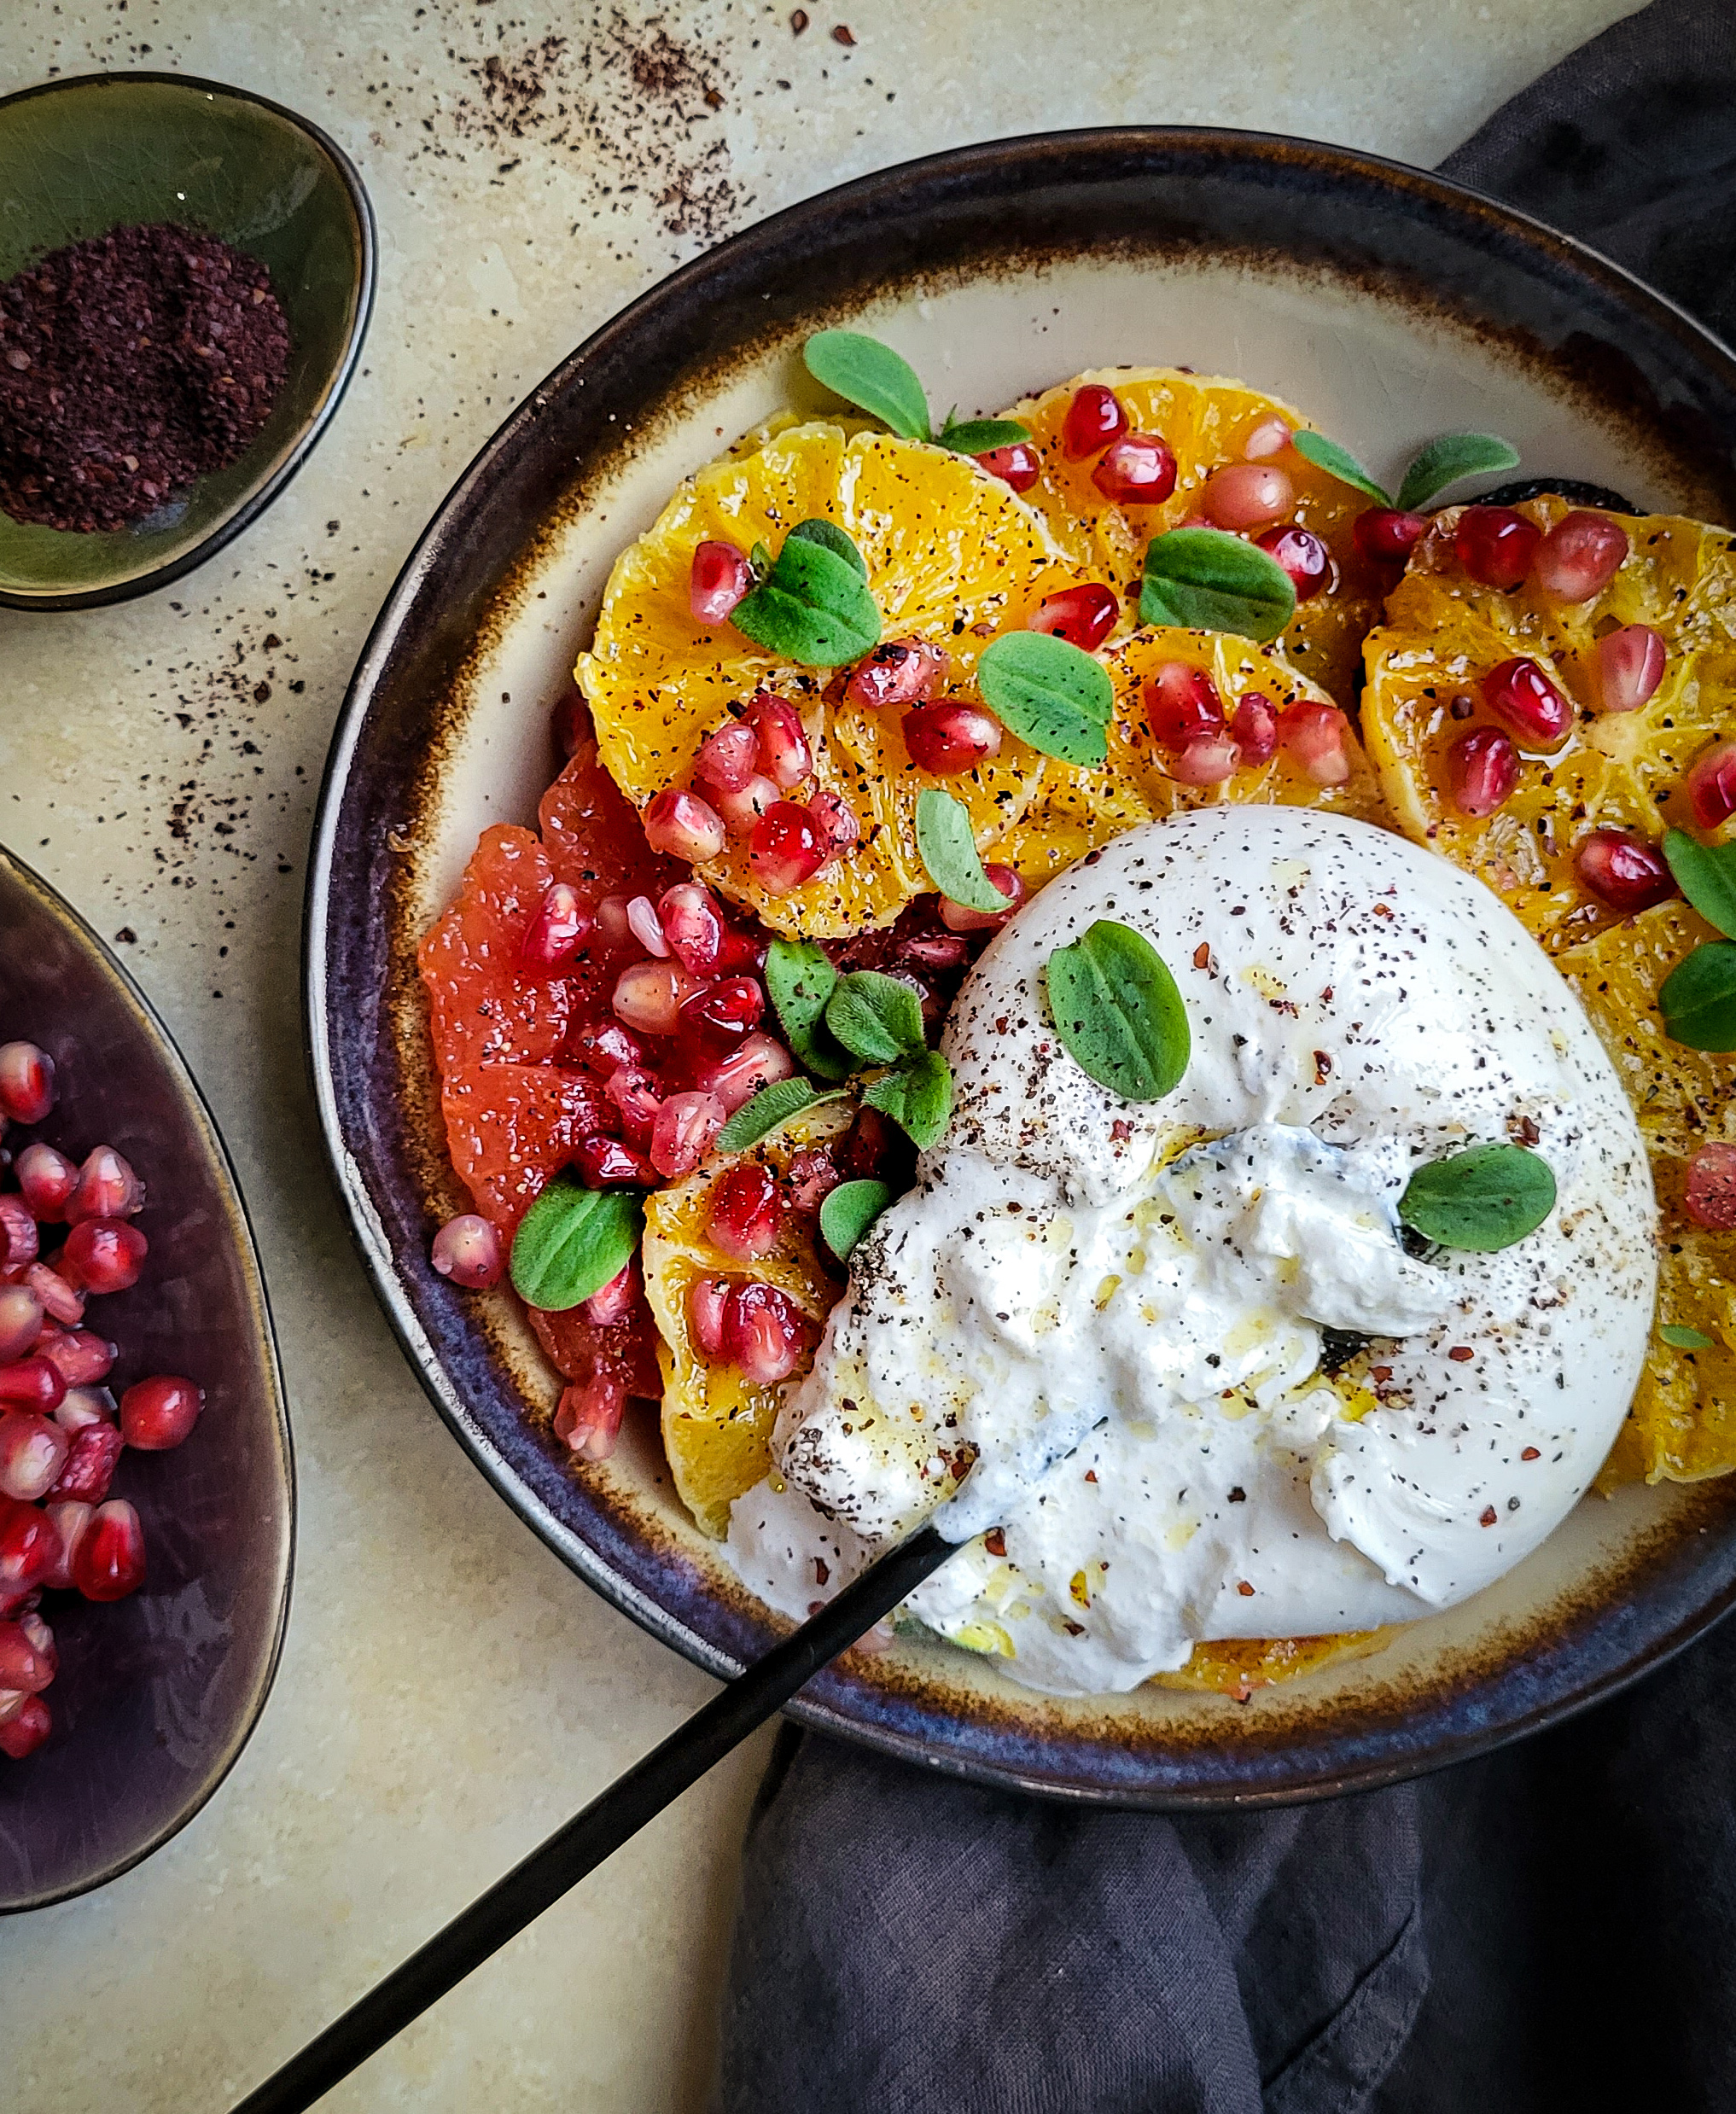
960 917
614 1302
760 1061
21 1322
613 929
763 1331
947 739
467 1249
1386 536
1246 495
869 1144
639 1097
108 1188
109 1562
899 671
1523 697
1255 727
719 577
811 1178
722 1013
1629 667
1093 419
63 1302
745 1213
683 825
647 928
31 1383
83 1405
1710 785
1304 556
69 1523
32 1452
26 1082
22 1665
691 927
1709 1194
944 951
706 1298
784 754
81 1358
728 758
90 1464
30 1547
1495 545
687 1123
1206 760
836 820
607 1163
1622 872
742 810
559 927
1018 465
1580 556
1140 470
20 1242
589 1415
605 1047
1481 771
788 848
648 996
1084 615
1317 736
1182 704
1272 436
47 1179
103 1256
572 723
25 1732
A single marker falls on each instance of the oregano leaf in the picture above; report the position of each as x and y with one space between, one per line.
1445 461
812 605
871 376
1706 875
800 978
1681 1339
1314 447
876 1017
831 537
770 1110
1486 1198
1117 1011
1697 1000
947 845
1056 698
849 1211
918 1096
981 436
572 1242
1205 579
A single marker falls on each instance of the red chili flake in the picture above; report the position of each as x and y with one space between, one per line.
798 21
1380 1372
841 35
1120 1131
1245 1589
1383 910
821 1574
1530 1453
1323 1067
1203 956
1074 1630
1487 1516
1326 996
1461 1353
1527 1131
1091 1474
994 1541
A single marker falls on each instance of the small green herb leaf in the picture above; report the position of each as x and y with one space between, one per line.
770 1110
1314 447
1699 998
918 1096
799 979
948 848
849 1211
1489 1197
1677 1337
1117 1011
1054 697
830 537
872 376
876 1017
1706 875
758 561
1205 579
1445 461
980 436
571 1241
812 606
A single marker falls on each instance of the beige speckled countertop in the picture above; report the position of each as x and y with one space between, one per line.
449 1692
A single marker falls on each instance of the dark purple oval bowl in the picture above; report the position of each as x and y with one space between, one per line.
157 1693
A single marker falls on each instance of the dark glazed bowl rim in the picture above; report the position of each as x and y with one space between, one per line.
151 1024
337 385
1586 1663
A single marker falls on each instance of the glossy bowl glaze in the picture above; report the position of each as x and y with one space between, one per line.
105 150
1389 304
157 1693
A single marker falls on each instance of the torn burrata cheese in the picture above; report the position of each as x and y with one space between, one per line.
1169 1370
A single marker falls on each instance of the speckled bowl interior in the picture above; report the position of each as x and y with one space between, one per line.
1391 307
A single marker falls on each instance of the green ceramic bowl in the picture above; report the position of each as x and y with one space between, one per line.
79 157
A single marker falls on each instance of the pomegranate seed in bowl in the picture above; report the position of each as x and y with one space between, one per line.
61 1301
1017 465
1494 545
719 577
1709 1195
1527 702
25 1730
107 1188
786 848
947 739
784 754
746 1211
1710 785
1304 558
467 1250
1580 556
20 1242
29 1548
47 1179
683 825
21 1322
110 1560
82 1406
31 1383
28 1089
1084 615
91 1459
25 1661
899 671
1316 736
960 917
1138 470
1093 419
1483 768
1629 666
32 1452
68 1521
82 1357
103 1256
1246 495
1623 871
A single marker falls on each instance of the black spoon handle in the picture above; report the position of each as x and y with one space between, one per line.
582 1843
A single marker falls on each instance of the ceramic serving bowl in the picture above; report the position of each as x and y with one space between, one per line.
104 150
1393 307
156 1694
